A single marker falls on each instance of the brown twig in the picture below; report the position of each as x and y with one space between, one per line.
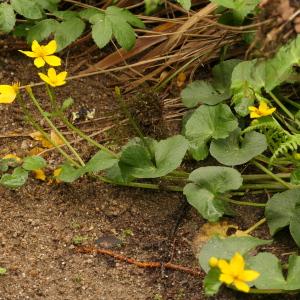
140 264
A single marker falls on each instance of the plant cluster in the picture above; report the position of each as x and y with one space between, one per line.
238 117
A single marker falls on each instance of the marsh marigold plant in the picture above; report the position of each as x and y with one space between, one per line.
54 79
43 54
234 273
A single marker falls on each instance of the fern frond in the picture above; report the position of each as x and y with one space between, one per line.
291 144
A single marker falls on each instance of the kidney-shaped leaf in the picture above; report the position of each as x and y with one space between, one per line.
208 122
235 150
14 180
226 247
282 210
32 163
207 184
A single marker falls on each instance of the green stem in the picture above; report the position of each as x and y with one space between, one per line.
264 186
74 128
256 225
245 203
271 174
44 133
279 103
42 112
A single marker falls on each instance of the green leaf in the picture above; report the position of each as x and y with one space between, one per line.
212 282
66 14
7 17
88 13
102 32
27 8
67 103
270 270
14 180
235 150
119 175
167 156
225 248
282 210
186 4
100 161
68 31
207 184
151 6
211 93
293 282
50 5
70 174
208 122
41 30
295 177
32 163
241 7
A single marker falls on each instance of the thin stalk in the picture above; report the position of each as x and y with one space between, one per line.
279 103
255 226
43 132
42 112
271 174
244 203
265 186
74 128
254 177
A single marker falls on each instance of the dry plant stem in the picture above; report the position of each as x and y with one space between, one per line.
43 132
140 264
275 177
255 226
42 112
74 128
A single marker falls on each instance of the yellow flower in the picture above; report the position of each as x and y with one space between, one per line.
43 54
234 273
54 79
39 174
262 111
8 93
56 174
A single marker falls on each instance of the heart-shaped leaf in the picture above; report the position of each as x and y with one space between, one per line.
208 122
282 210
237 150
32 163
14 180
207 184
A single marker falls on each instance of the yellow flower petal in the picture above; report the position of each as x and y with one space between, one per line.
39 174
270 111
252 108
53 60
39 62
35 46
263 106
62 76
7 94
226 278
241 286
248 275
50 48
29 53
237 264
213 262
52 74
45 78
224 266
254 115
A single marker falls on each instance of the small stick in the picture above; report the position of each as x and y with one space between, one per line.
140 264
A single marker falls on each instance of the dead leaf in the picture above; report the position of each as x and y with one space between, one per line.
38 136
181 78
13 156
